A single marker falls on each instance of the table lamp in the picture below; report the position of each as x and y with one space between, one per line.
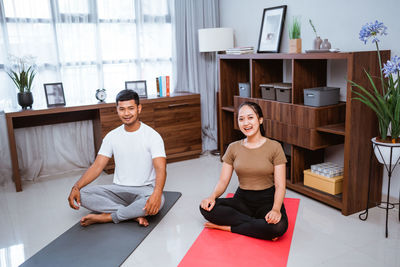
215 39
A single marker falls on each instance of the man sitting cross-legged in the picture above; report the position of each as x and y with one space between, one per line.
139 176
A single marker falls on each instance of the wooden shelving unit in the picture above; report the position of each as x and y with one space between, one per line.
309 130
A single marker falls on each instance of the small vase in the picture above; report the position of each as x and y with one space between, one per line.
295 45
317 43
325 44
25 100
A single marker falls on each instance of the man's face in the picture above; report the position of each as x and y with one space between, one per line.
128 112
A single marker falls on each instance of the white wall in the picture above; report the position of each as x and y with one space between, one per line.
338 20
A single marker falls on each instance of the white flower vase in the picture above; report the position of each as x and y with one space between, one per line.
382 152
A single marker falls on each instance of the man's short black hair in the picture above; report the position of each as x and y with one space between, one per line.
126 95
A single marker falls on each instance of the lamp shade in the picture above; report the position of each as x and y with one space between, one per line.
215 39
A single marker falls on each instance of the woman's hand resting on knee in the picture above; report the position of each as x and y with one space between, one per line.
207 203
273 217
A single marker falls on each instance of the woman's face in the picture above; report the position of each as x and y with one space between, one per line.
248 121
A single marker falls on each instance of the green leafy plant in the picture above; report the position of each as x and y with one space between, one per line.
386 102
295 29
313 27
22 73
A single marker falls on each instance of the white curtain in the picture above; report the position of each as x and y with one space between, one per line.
85 44
195 71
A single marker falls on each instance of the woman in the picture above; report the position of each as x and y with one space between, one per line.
257 208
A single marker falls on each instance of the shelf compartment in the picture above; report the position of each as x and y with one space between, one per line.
338 129
332 200
232 72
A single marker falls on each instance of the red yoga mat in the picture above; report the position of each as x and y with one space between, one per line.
220 248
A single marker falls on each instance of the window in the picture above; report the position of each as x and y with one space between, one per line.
86 44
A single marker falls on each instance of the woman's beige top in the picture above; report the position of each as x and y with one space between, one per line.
255 166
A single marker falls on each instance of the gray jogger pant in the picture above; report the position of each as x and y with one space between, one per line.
123 202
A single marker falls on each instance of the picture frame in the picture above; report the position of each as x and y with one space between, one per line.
139 87
272 23
54 94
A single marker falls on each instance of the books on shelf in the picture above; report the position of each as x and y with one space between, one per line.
240 50
163 86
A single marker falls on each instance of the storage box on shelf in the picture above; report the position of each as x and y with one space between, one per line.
308 129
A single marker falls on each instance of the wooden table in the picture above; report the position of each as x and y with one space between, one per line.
104 115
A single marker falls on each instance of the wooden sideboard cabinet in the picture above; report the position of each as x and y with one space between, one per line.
177 119
308 131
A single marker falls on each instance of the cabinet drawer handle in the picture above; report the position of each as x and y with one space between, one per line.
178 105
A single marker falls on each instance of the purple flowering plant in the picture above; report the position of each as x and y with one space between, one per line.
385 103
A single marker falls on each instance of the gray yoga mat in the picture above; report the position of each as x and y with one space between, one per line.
98 244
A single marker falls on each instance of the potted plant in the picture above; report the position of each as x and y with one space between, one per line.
317 40
385 102
22 73
294 36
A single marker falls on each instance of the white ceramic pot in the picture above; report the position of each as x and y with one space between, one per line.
382 151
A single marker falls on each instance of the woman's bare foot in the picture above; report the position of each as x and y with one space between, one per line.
96 218
216 226
274 239
142 221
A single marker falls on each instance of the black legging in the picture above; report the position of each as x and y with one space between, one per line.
245 213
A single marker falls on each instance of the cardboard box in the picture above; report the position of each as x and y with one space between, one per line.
328 185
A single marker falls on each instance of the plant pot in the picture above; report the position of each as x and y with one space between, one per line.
25 100
383 150
295 45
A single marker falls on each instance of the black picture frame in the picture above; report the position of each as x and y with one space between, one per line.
272 23
139 87
54 94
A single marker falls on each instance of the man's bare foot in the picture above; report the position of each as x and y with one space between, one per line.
96 218
142 221
216 226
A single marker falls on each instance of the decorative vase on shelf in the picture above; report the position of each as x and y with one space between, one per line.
386 153
295 45
25 100
325 44
317 43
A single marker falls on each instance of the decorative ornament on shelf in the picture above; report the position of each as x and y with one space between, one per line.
317 40
384 100
22 72
295 36
101 95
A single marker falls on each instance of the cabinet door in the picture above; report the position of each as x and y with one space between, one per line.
179 124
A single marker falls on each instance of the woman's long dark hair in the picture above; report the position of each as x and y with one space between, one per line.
257 109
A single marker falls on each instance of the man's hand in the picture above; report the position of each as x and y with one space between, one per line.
74 196
153 204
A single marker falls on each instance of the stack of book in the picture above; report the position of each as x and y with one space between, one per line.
162 85
240 50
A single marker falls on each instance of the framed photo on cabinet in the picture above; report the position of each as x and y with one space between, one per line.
138 86
271 29
54 94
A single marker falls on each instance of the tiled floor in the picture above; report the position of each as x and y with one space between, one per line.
322 236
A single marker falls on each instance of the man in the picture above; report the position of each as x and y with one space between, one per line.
139 176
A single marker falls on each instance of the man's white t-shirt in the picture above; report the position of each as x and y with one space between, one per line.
133 154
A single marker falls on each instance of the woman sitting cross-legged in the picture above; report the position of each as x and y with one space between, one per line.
257 208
